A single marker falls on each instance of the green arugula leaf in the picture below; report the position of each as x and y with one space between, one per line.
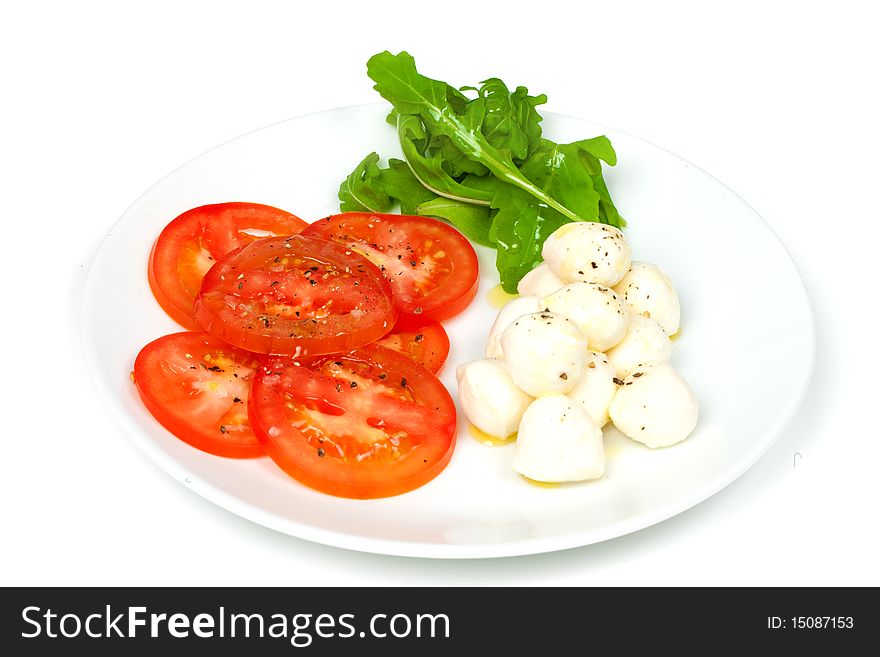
401 185
608 213
600 148
428 169
362 190
559 170
400 84
472 220
519 229
511 122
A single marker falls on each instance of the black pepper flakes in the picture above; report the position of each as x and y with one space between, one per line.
353 385
321 452
594 265
637 375
403 382
236 400
313 281
564 376
617 381
420 337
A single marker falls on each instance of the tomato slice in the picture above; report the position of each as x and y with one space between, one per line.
296 296
197 387
427 345
369 423
188 246
432 267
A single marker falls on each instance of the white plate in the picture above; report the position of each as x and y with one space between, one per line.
746 347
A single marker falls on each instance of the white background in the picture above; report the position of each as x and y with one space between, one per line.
101 99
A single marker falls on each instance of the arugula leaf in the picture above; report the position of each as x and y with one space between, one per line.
362 190
400 84
428 169
472 220
401 185
519 229
511 122
559 170
608 213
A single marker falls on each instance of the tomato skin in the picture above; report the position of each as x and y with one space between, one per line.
390 432
433 268
188 246
197 387
427 345
297 296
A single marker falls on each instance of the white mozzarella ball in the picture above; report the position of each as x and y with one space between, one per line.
488 397
587 251
655 406
645 343
648 291
558 441
597 310
513 309
545 353
596 388
540 282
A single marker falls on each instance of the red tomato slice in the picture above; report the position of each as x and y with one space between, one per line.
197 387
296 296
369 423
432 267
188 247
427 345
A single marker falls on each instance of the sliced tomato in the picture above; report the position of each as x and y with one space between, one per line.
297 296
369 423
427 345
197 387
189 245
432 267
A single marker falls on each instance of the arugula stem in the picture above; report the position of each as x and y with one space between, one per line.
463 199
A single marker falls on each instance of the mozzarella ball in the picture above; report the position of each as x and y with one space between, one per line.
545 353
648 291
540 282
488 397
587 251
596 388
645 343
513 309
655 406
597 310
558 441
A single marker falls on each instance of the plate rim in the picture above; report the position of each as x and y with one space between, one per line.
433 550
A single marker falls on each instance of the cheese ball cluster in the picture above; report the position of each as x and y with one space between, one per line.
585 343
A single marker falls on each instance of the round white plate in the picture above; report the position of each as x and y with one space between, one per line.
746 347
